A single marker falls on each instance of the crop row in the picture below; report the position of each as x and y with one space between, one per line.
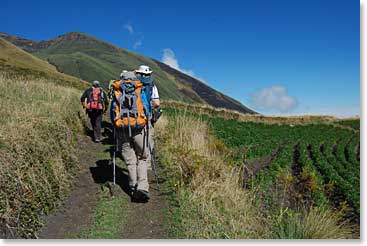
323 158
327 155
354 123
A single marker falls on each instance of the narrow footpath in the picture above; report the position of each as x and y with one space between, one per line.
78 216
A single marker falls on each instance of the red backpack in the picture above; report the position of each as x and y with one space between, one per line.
94 101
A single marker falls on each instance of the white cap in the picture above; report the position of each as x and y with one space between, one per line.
144 70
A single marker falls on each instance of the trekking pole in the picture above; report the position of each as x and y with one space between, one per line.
114 155
152 156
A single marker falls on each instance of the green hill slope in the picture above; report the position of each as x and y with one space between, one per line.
17 62
89 58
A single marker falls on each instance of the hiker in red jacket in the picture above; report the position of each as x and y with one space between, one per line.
95 101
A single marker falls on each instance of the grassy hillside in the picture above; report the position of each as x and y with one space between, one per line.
39 123
18 62
40 118
89 58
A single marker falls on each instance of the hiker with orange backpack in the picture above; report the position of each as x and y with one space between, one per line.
95 101
130 118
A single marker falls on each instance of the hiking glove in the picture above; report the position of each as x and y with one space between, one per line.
156 114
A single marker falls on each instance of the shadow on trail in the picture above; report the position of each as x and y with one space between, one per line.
107 133
89 132
103 173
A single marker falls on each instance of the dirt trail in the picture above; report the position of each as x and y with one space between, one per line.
146 220
143 220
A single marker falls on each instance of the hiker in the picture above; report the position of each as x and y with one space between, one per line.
95 101
144 74
110 87
129 116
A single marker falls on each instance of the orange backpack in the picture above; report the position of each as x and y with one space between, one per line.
128 109
94 101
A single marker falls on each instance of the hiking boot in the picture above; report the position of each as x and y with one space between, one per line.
132 190
141 196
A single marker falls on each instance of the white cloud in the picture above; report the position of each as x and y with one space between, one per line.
138 43
273 98
136 36
129 28
169 58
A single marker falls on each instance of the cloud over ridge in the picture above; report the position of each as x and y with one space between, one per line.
169 58
273 98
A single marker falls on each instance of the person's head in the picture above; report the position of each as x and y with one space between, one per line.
144 74
95 83
129 75
143 71
122 74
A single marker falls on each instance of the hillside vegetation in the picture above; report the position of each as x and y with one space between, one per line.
89 58
236 179
17 62
40 117
211 111
229 175
39 123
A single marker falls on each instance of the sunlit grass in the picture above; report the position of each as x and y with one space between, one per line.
39 122
211 200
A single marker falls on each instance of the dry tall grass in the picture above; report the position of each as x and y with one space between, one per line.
317 223
38 124
221 208
212 202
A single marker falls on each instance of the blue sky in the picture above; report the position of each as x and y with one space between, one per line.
277 57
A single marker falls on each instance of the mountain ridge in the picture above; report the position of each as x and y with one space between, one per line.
16 61
90 58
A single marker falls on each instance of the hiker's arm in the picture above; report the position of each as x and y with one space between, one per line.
105 100
83 97
156 103
155 97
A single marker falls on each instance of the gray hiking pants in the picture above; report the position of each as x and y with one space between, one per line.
134 151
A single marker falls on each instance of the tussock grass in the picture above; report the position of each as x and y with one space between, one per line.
39 120
317 223
213 205
212 202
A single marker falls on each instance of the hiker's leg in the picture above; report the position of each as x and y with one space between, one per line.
141 149
128 154
92 118
97 126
